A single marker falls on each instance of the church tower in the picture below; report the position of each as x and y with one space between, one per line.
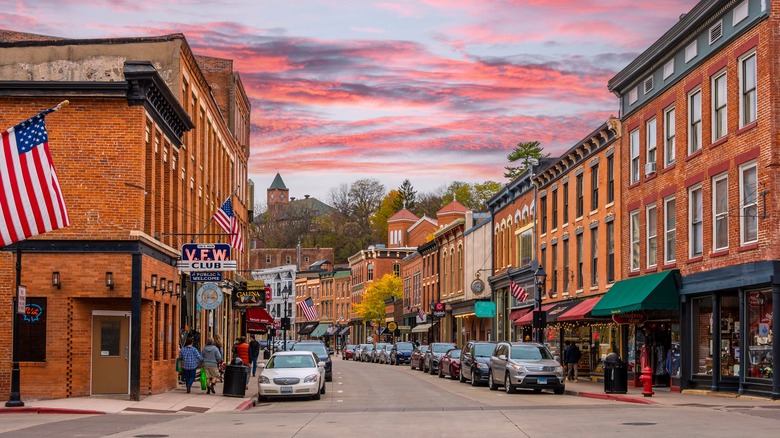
278 194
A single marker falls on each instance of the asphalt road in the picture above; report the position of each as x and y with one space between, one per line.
370 400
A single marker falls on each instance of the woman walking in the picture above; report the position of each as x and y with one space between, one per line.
190 359
211 359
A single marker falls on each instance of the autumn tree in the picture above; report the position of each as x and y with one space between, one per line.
385 211
473 197
523 154
372 308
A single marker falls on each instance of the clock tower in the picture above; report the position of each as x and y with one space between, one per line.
277 194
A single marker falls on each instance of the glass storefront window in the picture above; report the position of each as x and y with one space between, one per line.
632 348
673 360
701 336
729 335
605 339
760 334
552 340
579 335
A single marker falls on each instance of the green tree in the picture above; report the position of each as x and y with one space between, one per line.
372 308
523 154
386 209
473 197
408 196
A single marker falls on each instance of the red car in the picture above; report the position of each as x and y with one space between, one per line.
449 364
416 359
348 352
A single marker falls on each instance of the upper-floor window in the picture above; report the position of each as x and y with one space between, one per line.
610 179
670 230
397 269
565 202
748 201
579 261
633 96
669 68
579 188
747 90
566 271
720 212
526 247
651 137
594 256
634 234
610 252
740 12
691 51
670 135
554 202
554 269
695 222
694 121
719 113
370 272
634 145
594 185
543 208
652 235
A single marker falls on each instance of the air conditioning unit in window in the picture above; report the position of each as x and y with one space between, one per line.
649 168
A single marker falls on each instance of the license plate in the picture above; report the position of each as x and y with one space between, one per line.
540 380
286 390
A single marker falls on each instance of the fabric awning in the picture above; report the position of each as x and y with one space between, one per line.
580 311
527 319
648 292
518 313
258 315
256 327
559 309
308 327
321 330
421 328
344 331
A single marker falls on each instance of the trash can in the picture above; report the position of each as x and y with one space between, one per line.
266 354
615 375
234 382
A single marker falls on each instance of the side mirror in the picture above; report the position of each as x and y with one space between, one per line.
501 357
321 364
261 365
330 351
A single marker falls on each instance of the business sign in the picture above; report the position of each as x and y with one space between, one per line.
438 310
267 293
485 309
206 257
392 326
205 277
250 294
21 300
630 318
209 296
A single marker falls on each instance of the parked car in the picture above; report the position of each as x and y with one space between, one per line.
359 352
449 364
377 349
524 365
322 352
474 360
417 356
401 353
366 353
434 353
291 374
348 352
384 354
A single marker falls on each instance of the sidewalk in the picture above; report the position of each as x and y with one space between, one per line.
174 401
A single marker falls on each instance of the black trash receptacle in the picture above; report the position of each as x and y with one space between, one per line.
266 354
234 383
615 375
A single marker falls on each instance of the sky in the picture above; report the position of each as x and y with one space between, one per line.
433 91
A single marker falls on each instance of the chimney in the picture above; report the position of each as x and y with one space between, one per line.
305 196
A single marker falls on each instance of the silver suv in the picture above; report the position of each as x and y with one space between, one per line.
524 365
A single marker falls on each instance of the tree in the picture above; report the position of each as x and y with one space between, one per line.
386 209
523 153
408 196
430 203
472 197
372 308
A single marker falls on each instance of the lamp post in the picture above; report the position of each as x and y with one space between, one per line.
432 305
541 277
286 318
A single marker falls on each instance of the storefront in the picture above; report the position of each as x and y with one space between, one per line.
729 316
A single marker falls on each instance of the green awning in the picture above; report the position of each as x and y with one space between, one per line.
320 330
648 292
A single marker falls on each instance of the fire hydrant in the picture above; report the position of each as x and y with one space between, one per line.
647 374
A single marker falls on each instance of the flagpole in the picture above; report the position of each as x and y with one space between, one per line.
212 216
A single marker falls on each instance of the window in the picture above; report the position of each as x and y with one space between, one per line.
652 236
634 145
651 137
397 269
288 260
543 208
690 51
610 252
720 212
306 259
594 256
370 272
31 337
554 201
670 230
566 271
747 90
669 68
543 258
719 114
565 202
610 179
579 261
526 247
268 259
694 121
579 187
748 192
555 269
696 224
594 185
634 233
633 96
740 12
670 133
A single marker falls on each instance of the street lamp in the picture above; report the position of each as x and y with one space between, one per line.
286 318
539 320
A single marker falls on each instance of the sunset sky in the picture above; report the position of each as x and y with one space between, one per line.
430 90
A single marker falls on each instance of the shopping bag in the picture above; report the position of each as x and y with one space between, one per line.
178 365
202 379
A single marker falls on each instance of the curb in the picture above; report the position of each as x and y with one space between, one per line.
613 397
32 410
245 406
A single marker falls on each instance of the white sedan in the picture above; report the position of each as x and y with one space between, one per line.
291 373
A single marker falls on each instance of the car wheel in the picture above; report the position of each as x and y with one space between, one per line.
474 381
559 391
491 384
452 375
316 396
432 370
461 378
508 385
441 373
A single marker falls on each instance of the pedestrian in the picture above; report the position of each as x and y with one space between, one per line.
218 343
190 359
211 359
573 362
254 353
241 351
565 358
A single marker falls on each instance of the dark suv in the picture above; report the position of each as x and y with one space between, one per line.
434 353
322 352
475 360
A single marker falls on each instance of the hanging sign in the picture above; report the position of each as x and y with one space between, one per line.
209 296
206 257
21 300
438 310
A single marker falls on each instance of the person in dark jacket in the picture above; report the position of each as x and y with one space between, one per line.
254 353
572 362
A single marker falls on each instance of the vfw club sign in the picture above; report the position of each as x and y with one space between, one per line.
206 257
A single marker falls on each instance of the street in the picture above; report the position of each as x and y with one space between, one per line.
380 400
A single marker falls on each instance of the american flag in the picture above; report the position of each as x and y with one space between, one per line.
309 310
31 201
421 313
228 221
517 291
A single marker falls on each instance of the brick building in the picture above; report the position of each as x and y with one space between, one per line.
144 158
701 169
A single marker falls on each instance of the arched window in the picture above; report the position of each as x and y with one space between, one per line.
452 270
460 267
444 269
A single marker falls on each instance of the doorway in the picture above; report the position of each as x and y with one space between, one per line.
110 353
